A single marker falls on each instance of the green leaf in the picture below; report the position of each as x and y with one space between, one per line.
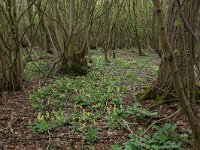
129 147
162 138
116 147
173 128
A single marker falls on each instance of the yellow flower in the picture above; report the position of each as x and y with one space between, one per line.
47 114
83 126
95 123
40 116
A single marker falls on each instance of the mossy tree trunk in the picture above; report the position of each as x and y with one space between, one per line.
183 44
74 59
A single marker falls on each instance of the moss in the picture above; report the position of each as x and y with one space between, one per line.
160 99
148 93
79 67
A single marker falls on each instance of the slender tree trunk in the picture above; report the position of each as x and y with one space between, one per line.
58 28
43 28
30 20
136 30
72 42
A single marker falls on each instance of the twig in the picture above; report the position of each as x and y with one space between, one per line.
128 128
49 143
51 70
160 120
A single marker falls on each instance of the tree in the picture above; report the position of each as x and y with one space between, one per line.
43 27
58 27
181 18
10 49
74 60
135 25
176 75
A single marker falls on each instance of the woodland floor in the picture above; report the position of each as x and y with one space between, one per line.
98 111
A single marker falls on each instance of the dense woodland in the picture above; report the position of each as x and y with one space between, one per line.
99 74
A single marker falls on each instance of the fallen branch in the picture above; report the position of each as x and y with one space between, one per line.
162 119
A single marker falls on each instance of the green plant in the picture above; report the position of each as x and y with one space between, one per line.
58 119
99 96
116 147
92 135
113 118
164 138
41 124
48 121
138 113
32 69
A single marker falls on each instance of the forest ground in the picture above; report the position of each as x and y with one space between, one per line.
99 111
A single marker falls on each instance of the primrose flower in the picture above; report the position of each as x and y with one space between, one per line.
40 116
83 126
47 114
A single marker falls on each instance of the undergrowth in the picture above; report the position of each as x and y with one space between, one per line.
163 138
83 102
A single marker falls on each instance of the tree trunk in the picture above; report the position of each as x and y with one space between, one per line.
175 73
45 41
139 47
10 58
74 61
58 28
183 44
